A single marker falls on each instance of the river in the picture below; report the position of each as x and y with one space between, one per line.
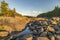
22 35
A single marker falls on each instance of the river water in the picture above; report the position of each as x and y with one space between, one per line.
21 36
24 34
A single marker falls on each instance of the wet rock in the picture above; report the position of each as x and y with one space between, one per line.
44 34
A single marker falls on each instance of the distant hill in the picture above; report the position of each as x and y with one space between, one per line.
54 13
29 16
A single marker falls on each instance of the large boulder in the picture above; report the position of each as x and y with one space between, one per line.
50 29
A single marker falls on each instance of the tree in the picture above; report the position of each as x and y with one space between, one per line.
4 8
54 13
6 11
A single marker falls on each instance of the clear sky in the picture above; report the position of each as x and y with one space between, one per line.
32 7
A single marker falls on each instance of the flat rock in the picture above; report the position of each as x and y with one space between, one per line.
30 38
3 34
43 38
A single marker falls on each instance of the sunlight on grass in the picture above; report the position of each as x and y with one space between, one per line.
1 28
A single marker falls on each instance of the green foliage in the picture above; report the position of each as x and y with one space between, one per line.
53 13
5 10
29 16
1 28
10 13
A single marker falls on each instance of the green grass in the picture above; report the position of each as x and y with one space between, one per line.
1 28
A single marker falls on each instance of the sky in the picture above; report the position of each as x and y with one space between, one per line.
32 7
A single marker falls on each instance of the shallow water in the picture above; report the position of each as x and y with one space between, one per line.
22 35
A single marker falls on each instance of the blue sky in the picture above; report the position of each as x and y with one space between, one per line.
32 7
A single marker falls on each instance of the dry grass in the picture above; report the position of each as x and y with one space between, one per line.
13 24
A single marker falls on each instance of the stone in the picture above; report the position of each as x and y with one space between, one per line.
3 33
58 37
44 34
50 29
43 38
52 38
30 38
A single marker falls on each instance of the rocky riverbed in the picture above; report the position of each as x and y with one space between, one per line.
49 29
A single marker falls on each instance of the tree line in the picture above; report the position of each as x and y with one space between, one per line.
54 13
6 11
